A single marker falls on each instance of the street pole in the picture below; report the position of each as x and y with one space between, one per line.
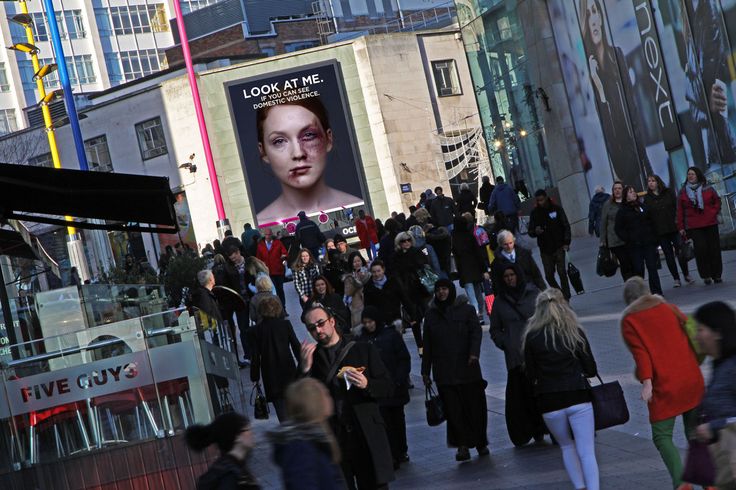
222 222
74 238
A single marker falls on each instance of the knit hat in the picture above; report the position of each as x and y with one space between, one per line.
372 313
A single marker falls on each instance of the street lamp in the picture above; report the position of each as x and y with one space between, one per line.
50 97
523 133
45 70
25 48
23 19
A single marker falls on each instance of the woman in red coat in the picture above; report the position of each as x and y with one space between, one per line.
698 206
365 225
666 366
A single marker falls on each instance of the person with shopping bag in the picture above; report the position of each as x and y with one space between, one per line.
717 339
549 225
666 367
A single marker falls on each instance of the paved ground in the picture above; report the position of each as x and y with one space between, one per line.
626 455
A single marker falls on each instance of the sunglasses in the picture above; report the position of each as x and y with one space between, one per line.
405 240
318 324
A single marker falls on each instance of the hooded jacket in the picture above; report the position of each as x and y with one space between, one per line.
504 199
452 334
510 313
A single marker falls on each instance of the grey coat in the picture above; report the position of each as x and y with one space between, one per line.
609 238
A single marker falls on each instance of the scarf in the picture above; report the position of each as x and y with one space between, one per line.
381 283
695 194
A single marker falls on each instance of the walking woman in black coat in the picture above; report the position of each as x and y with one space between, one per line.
276 351
635 227
452 348
471 263
406 263
395 357
514 305
661 203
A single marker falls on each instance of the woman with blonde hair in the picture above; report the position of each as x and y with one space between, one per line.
558 361
304 446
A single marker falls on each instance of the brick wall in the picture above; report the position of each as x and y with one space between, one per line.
230 41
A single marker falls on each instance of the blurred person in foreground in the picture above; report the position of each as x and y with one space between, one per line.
666 367
232 433
717 339
558 361
304 446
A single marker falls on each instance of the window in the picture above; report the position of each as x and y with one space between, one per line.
140 63
44 160
151 138
8 123
81 70
291 47
98 154
192 5
104 27
445 78
268 50
74 24
114 70
4 85
69 22
137 19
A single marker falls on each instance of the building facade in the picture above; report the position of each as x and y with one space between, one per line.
410 123
614 89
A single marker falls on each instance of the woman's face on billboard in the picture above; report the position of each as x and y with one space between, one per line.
295 145
594 22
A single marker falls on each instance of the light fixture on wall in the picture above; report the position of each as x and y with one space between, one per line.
190 165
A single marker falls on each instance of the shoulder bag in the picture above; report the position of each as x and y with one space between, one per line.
338 360
260 404
609 404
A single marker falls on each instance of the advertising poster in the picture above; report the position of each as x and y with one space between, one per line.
573 61
186 230
296 143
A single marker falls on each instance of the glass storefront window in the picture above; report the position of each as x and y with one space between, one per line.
495 47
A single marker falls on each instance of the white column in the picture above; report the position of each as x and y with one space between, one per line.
75 246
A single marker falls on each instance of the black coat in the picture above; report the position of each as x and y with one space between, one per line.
450 338
470 259
226 473
466 202
271 360
203 299
526 263
484 194
361 404
440 240
386 250
508 321
442 210
635 226
556 229
395 357
404 267
308 234
389 299
663 211
554 370
334 272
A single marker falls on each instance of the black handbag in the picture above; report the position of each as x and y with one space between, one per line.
609 405
573 273
260 404
433 404
606 264
687 251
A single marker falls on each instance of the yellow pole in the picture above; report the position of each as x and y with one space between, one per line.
44 107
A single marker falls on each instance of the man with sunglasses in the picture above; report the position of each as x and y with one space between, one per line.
357 423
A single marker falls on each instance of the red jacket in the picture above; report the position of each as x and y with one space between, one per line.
689 217
273 258
367 232
662 352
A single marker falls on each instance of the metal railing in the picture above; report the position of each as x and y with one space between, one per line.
439 16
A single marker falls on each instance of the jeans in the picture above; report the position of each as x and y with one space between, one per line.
553 261
646 254
662 438
579 454
243 318
476 297
671 244
278 284
371 251
707 246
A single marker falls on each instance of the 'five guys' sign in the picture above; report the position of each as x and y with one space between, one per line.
46 390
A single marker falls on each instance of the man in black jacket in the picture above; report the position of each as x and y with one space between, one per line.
548 223
442 209
309 235
386 294
509 252
204 300
358 426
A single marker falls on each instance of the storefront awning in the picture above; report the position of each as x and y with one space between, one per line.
126 202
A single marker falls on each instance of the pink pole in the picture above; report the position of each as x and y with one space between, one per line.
200 115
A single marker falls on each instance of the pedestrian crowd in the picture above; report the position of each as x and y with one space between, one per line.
340 398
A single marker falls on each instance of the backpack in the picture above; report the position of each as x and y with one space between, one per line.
481 236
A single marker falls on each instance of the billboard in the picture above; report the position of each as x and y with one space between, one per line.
296 142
